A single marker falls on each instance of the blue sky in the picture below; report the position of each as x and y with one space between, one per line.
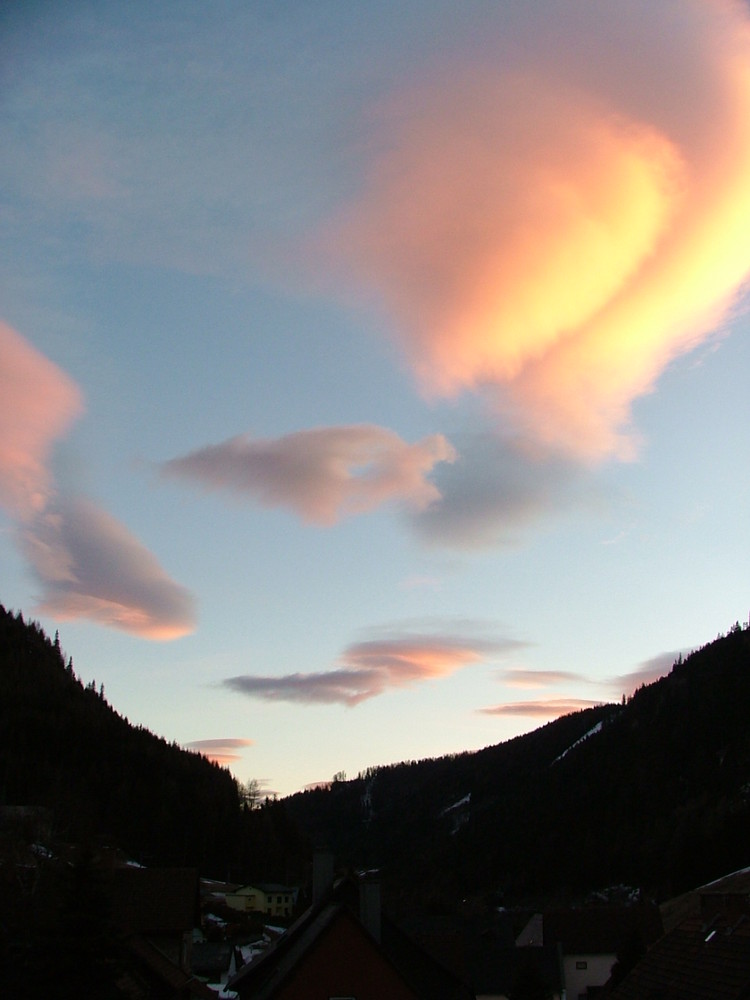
373 378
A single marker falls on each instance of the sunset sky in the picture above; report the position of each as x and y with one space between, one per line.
373 376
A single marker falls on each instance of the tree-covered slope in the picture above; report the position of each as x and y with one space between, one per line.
63 747
655 792
657 795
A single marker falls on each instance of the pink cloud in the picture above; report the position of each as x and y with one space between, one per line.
322 474
38 403
552 226
649 671
92 567
88 564
551 708
221 751
516 677
373 667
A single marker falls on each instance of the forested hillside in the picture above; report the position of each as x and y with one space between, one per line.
653 793
657 795
63 747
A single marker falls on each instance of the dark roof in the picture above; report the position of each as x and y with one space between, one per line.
211 958
601 930
270 969
165 972
736 884
418 970
154 899
694 961
426 976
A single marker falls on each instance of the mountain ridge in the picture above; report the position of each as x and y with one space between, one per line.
652 793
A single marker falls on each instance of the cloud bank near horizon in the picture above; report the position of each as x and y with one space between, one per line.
88 564
373 667
552 225
322 474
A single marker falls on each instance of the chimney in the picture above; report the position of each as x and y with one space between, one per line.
322 875
369 903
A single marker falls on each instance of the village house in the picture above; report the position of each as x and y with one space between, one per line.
589 941
155 911
706 950
267 898
344 946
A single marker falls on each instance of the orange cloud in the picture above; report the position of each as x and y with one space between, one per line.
322 474
222 751
554 226
552 708
89 565
373 667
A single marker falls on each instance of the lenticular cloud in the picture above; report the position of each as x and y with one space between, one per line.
88 564
553 225
322 474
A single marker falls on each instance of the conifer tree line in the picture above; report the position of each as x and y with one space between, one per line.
106 781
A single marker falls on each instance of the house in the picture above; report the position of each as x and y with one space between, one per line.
706 954
154 911
479 947
590 940
78 929
343 946
215 961
158 904
271 899
508 972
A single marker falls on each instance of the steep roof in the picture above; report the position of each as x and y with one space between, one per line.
600 930
735 884
694 962
262 978
166 973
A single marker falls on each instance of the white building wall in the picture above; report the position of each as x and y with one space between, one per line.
582 971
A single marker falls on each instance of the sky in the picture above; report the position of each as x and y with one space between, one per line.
373 377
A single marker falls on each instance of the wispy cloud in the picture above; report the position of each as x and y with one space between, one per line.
552 225
222 751
88 564
516 677
647 672
38 404
321 474
372 667
551 708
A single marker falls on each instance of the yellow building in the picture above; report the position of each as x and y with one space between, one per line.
273 900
